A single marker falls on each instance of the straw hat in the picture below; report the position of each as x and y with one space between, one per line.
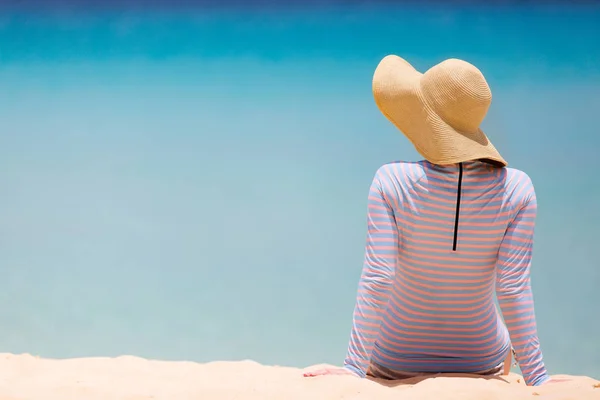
439 111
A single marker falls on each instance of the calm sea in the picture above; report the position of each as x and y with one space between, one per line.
191 183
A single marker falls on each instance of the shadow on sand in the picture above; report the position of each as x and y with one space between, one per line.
418 379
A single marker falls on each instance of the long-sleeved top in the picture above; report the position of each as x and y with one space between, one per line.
442 241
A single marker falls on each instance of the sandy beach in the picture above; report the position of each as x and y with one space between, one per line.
133 378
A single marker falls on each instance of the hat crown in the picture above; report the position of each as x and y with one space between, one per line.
458 92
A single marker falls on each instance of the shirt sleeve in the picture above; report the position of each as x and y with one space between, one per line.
375 281
515 297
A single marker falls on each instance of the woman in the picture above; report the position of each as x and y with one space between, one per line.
444 235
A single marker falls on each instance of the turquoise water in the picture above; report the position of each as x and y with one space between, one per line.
192 184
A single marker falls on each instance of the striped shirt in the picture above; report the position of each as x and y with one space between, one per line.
441 242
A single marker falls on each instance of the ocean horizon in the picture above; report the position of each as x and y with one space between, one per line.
190 183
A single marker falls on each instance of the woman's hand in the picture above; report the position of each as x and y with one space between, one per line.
329 371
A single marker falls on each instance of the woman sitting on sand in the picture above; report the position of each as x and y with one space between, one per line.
444 234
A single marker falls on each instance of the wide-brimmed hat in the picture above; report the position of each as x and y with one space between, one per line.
439 111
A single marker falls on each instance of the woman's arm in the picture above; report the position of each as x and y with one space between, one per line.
376 279
513 288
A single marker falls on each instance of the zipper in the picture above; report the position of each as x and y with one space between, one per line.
460 176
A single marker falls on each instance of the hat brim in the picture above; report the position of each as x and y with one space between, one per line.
398 95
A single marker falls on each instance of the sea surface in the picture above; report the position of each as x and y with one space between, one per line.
190 182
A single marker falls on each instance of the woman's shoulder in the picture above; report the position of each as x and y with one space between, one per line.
518 177
401 170
519 187
402 167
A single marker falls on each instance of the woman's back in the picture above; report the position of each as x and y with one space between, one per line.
441 239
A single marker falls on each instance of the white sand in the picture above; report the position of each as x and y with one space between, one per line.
133 378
